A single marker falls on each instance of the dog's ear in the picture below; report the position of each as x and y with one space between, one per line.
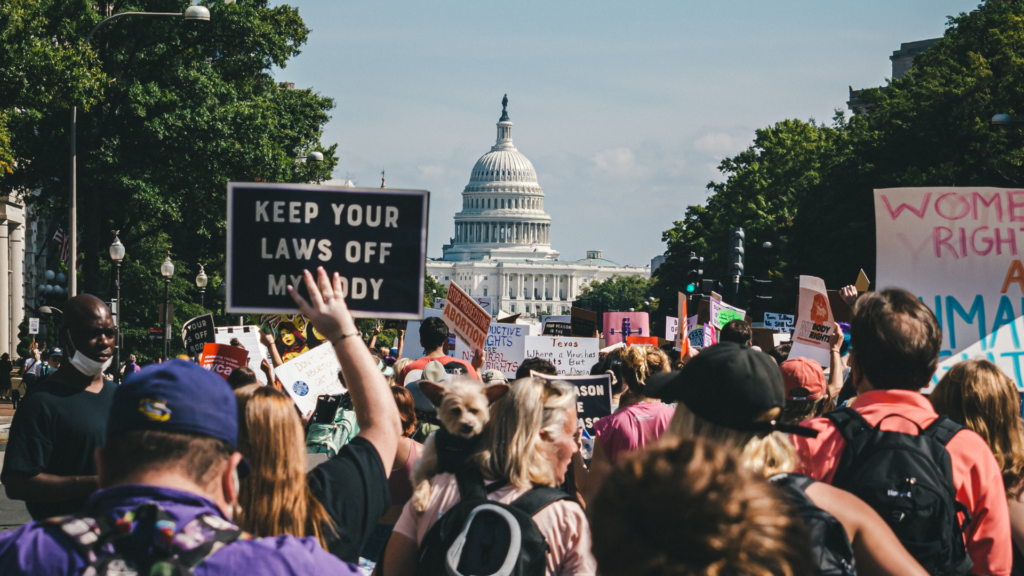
433 392
495 391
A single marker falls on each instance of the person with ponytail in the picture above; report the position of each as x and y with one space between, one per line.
639 420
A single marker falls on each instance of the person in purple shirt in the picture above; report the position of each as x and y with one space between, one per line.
168 479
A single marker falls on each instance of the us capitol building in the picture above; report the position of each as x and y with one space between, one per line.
502 244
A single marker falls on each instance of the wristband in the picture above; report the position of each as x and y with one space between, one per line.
342 337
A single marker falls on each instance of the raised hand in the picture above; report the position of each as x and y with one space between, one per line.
326 307
849 295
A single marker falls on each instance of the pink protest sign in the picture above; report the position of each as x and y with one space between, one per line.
619 325
959 250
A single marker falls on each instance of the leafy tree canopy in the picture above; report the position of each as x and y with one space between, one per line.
616 293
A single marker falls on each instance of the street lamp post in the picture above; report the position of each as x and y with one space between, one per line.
201 281
116 256
192 13
167 271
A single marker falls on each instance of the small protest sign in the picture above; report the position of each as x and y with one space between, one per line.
683 321
196 333
642 341
569 355
620 325
780 322
249 338
310 375
696 337
862 284
375 239
557 329
722 313
593 397
33 325
584 322
466 318
671 328
222 359
505 347
395 324
710 335
814 325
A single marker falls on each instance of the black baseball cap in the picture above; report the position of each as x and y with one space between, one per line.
729 385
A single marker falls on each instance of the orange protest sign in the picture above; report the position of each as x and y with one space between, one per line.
222 359
466 318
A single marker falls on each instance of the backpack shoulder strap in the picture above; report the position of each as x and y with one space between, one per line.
204 536
538 498
849 422
471 483
942 430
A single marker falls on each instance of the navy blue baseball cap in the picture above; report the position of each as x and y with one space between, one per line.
177 396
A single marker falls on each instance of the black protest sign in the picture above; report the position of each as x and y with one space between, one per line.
583 322
375 239
198 332
557 329
593 397
395 324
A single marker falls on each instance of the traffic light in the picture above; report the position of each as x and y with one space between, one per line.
762 292
694 274
736 260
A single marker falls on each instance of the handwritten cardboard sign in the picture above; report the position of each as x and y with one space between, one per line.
569 355
780 322
310 375
593 397
505 346
466 318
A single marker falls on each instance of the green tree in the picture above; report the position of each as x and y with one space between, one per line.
433 289
615 293
186 107
763 187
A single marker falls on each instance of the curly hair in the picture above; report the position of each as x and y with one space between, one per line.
639 362
687 507
977 395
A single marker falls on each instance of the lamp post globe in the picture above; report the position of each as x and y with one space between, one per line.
193 13
167 271
116 256
201 281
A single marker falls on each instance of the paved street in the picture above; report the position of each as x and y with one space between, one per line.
12 512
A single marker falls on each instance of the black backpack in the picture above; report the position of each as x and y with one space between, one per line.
831 551
908 480
483 537
146 541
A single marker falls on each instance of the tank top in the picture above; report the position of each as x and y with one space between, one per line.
400 481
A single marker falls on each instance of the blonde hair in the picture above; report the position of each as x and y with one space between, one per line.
513 448
766 455
976 394
399 365
275 499
639 362
688 507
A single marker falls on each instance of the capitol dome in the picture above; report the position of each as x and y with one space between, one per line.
502 206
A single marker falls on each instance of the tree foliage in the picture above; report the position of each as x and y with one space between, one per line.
185 108
616 293
808 188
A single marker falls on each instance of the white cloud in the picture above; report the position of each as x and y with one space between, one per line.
720 144
619 162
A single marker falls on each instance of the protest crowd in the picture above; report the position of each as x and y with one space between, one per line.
721 460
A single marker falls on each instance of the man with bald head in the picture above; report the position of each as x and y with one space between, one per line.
49 459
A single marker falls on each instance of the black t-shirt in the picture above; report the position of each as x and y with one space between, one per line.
55 431
353 488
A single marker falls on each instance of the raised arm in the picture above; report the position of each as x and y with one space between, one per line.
835 376
375 408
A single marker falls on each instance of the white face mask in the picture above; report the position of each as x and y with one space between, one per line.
87 365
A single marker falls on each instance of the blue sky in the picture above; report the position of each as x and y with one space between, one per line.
624 108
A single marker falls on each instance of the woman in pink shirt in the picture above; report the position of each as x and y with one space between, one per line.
640 420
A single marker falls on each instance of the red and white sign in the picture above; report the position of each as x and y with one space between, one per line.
223 358
814 326
466 318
